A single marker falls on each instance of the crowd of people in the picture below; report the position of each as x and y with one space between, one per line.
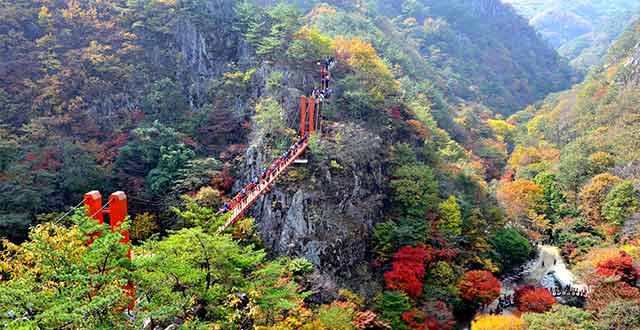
320 94
262 179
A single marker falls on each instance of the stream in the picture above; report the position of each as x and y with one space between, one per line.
547 270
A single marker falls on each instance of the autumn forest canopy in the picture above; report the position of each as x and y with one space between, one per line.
474 164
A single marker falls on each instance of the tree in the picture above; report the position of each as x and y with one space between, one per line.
415 191
479 287
274 292
555 199
621 268
537 300
58 281
498 322
392 305
521 199
620 203
172 159
512 248
451 214
432 316
593 195
190 268
408 269
560 317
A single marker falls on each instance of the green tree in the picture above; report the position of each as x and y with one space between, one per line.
621 202
391 305
58 282
172 160
415 191
555 200
188 268
451 215
512 249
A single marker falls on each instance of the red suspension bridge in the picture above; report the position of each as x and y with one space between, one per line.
115 209
310 122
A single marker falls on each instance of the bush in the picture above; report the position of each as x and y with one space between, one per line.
560 318
498 322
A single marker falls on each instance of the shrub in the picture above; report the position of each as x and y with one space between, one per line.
560 318
497 322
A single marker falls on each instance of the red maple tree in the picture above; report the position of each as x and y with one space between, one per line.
537 300
408 269
479 287
620 267
431 317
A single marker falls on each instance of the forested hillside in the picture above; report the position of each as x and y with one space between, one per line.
574 176
391 224
581 30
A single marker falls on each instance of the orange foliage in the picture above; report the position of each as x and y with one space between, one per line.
593 195
519 198
620 267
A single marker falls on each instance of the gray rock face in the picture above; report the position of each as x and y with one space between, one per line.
631 74
325 210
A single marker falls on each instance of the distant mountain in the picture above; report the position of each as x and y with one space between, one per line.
581 30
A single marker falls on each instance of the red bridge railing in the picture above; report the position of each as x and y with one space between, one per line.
238 209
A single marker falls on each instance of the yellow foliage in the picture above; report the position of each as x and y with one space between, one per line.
321 43
601 159
501 127
520 199
524 156
498 322
16 260
143 225
363 58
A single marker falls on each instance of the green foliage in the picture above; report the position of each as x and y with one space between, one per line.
191 266
555 200
561 318
621 202
166 102
172 159
337 317
271 290
451 214
415 191
512 249
269 118
391 306
620 315
299 266
57 281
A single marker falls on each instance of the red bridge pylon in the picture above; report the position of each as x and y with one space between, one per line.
117 211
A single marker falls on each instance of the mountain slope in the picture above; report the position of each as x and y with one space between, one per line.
582 31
